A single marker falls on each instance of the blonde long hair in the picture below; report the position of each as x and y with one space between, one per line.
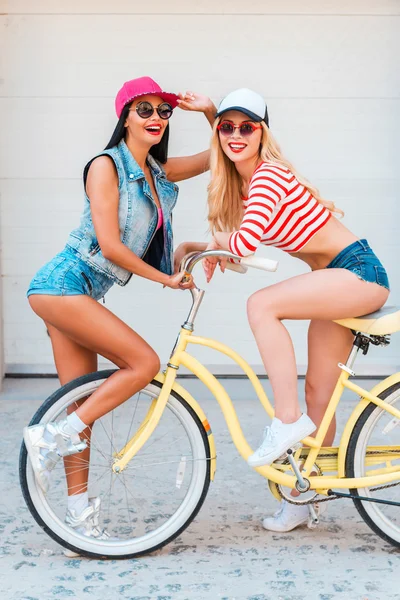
225 204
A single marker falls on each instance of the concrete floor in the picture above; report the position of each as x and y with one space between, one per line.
225 554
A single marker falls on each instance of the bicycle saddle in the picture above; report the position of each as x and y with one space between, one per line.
384 321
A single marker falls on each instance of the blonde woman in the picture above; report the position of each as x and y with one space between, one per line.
257 197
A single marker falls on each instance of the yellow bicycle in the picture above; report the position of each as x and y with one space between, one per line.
152 458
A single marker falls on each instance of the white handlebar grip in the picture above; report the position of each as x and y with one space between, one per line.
256 262
236 267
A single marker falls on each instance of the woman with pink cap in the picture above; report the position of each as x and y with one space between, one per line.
125 229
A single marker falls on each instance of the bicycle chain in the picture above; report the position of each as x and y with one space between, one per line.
334 497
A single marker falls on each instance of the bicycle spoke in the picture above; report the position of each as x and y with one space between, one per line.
159 439
108 494
161 451
105 431
122 482
138 509
126 497
167 462
91 443
112 479
133 418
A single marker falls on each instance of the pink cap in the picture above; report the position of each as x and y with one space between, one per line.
142 86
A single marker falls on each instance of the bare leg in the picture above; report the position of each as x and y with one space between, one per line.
94 327
73 360
323 295
328 344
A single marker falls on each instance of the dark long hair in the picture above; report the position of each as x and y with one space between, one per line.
158 151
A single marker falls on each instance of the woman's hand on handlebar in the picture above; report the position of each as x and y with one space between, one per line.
180 281
211 262
185 248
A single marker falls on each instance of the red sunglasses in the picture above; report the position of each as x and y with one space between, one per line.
226 128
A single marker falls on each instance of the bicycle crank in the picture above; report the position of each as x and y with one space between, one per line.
307 496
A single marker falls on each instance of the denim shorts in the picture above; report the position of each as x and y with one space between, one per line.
361 260
68 275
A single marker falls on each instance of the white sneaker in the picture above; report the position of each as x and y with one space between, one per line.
87 523
289 516
45 454
279 438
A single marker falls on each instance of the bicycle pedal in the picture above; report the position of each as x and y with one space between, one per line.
312 523
296 447
291 450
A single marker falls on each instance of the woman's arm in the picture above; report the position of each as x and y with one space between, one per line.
185 167
222 240
198 103
209 263
102 190
268 187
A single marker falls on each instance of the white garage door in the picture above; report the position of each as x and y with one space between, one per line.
328 70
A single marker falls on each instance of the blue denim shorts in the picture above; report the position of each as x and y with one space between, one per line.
68 275
361 260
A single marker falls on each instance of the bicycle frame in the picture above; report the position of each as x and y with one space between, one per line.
179 356
319 483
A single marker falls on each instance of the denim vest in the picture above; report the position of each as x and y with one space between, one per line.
137 215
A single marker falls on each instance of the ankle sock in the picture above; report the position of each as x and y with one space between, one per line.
78 502
74 424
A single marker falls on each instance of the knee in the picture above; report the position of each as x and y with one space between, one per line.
144 371
310 391
259 308
316 394
154 366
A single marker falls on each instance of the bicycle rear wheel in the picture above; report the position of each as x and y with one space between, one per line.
373 445
148 504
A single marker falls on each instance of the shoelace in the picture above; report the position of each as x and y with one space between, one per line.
269 438
96 531
89 522
280 509
85 516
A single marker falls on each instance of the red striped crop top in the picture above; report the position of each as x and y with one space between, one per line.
279 211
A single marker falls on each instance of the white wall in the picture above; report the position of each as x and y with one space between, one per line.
329 71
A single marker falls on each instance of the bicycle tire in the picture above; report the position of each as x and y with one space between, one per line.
370 512
93 380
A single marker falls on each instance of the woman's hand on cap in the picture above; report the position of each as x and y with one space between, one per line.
196 102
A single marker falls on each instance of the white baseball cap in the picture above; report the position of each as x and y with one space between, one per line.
246 101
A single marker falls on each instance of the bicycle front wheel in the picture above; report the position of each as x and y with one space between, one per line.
148 504
374 446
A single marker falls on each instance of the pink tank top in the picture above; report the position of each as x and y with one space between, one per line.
160 219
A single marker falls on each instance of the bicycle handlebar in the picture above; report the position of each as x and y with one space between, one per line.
254 262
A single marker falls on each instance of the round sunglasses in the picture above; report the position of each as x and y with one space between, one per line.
226 128
145 110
